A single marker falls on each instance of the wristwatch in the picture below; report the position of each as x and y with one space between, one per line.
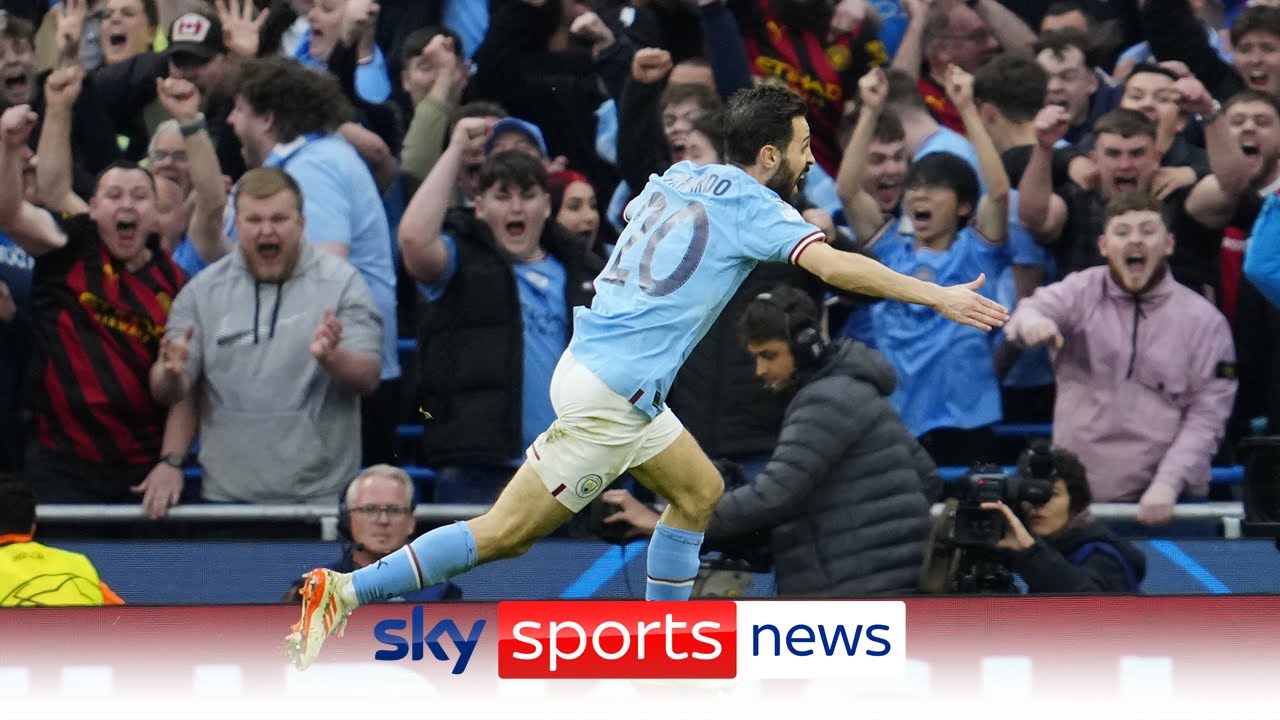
173 460
1208 118
196 126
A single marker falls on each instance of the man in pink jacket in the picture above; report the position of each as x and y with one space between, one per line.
1145 367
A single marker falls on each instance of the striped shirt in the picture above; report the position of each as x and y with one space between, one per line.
98 330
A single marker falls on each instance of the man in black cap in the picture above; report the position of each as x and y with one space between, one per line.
201 50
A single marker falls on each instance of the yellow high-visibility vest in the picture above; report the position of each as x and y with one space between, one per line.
33 575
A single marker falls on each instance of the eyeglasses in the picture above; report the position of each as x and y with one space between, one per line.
178 156
393 512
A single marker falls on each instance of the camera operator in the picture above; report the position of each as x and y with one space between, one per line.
1064 549
845 496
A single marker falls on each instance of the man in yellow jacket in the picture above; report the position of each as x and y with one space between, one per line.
32 574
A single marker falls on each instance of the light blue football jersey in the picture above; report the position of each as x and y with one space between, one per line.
692 236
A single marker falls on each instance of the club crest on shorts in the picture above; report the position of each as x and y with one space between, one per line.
588 485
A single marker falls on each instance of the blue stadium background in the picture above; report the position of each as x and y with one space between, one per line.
156 572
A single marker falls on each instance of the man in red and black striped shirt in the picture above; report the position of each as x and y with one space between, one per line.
964 33
101 295
794 40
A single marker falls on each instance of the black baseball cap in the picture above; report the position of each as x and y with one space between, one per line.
197 34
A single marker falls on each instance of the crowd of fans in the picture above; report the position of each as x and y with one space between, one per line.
219 219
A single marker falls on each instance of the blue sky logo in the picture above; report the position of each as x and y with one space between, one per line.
420 639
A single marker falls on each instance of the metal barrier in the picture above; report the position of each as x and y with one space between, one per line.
326 516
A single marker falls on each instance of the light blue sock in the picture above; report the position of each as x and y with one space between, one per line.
431 558
672 563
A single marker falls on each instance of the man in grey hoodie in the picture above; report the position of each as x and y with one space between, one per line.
272 345
845 497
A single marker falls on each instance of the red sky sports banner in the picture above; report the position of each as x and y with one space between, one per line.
702 640
1174 656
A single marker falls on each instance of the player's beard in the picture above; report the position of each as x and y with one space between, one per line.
786 181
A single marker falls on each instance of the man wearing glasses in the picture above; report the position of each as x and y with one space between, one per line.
964 33
375 516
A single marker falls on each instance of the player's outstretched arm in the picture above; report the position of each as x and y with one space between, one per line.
860 274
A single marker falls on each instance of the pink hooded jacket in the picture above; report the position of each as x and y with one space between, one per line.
1145 384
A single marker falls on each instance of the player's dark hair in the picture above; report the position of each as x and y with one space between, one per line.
759 116
944 170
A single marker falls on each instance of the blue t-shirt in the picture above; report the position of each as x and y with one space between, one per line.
342 204
945 373
470 19
1262 254
186 257
693 236
16 269
544 318
373 84
893 23
544 315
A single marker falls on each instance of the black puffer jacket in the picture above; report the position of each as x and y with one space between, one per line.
845 491
1109 563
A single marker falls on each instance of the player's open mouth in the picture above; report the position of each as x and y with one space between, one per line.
126 229
1259 77
1126 183
678 151
269 251
922 215
516 228
117 40
1135 261
1250 149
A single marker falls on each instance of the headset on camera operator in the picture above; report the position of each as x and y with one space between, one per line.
375 517
1062 548
843 497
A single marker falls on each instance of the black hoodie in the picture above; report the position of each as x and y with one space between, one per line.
1063 564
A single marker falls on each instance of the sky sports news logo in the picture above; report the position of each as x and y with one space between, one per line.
712 639
701 639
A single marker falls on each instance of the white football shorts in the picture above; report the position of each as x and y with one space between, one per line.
597 436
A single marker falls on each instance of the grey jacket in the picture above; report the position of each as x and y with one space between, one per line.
274 426
844 494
